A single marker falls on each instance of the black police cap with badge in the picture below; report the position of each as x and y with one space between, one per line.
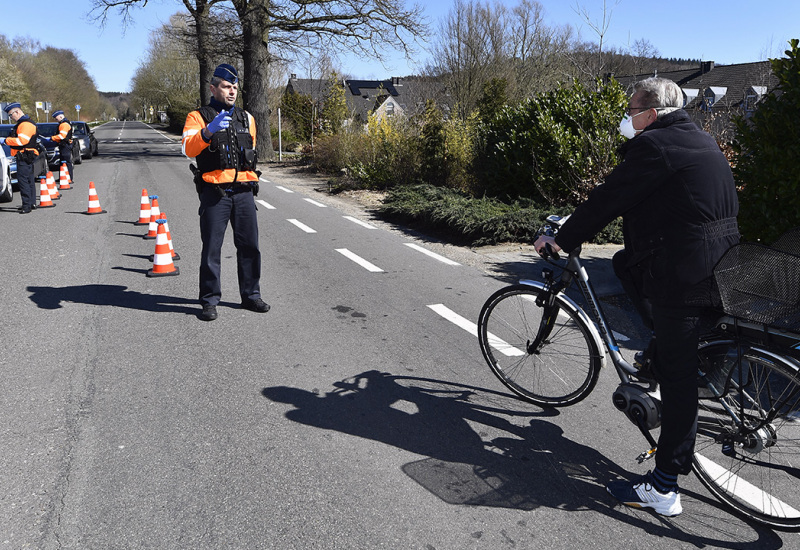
227 72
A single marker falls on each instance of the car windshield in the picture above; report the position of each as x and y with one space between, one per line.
47 129
78 129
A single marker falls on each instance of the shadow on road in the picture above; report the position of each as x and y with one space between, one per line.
109 295
521 467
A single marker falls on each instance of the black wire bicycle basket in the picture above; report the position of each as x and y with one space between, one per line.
761 283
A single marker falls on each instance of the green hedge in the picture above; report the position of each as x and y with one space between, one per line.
475 221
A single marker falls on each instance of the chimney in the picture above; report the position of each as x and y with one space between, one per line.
395 81
293 76
706 66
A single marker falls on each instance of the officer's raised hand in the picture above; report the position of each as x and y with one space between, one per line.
220 122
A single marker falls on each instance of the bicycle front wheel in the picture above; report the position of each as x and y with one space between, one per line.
564 367
748 439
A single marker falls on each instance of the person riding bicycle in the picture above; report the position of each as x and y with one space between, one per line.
675 192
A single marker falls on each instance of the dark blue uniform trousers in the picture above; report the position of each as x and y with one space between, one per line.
27 182
216 211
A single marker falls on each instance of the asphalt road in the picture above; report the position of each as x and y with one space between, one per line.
352 415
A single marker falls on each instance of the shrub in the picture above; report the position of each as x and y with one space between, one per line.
477 221
390 154
768 156
555 147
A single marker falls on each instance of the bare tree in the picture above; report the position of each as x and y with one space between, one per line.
200 12
593 60
479 42
369 26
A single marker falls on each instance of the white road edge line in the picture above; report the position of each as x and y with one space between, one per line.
503 347
359 222
282 188
301 225
315 203
433 255
359 260
265 204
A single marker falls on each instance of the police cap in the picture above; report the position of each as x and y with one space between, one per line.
227 72
11 106
55 115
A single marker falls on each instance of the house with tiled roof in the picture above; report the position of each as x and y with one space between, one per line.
395 96
363 97
714 93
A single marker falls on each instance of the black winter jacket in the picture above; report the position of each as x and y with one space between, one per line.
676 195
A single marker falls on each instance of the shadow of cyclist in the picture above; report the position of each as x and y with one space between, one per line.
522 464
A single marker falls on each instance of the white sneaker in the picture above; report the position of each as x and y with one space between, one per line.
641 494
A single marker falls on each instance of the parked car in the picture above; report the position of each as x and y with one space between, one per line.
40 168
82 133
48 130
6 191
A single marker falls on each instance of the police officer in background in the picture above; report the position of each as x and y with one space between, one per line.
63 139
22 142
222 138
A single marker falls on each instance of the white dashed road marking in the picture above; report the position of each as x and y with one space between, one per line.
359 260
359 222
265 204
433 255
301 225
503 347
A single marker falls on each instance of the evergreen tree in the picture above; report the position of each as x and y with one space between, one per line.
768 159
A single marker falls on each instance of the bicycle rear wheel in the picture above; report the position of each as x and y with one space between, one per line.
753 463
562 371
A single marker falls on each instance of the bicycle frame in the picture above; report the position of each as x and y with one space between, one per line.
601 332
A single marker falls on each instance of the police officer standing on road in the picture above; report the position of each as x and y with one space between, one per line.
22 142
222 138
64 141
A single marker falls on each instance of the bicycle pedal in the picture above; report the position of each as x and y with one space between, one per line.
647 455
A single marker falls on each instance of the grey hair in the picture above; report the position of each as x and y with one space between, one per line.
215 80
659 93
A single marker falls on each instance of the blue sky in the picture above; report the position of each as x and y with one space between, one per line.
732 31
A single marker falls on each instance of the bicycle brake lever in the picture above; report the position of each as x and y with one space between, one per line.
550 252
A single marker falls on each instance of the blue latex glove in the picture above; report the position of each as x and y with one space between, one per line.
220 122
2 141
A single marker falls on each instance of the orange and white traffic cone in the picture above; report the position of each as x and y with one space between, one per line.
175 255
162 259
51 187
155 215
44 195
94 201
144 209
63 177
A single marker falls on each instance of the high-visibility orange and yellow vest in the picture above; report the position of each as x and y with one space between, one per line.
229 156
64 132
23 137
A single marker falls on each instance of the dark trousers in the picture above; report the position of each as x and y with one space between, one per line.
65 152
215 212
677 333
26 182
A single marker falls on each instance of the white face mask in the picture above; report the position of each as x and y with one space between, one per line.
626 125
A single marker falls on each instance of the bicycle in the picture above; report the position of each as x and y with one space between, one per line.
549 351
